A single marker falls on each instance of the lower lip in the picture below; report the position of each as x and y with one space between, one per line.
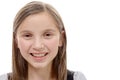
39 59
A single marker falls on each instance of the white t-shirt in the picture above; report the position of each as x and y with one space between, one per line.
76 76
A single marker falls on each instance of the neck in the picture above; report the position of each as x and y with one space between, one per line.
40 74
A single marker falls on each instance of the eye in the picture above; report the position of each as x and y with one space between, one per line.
27 36
48 35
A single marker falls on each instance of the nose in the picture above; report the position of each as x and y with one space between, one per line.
38 44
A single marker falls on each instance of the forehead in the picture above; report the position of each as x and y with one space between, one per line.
39 20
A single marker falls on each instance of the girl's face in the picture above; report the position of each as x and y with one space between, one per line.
38 39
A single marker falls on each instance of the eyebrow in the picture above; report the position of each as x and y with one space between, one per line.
46 30
50 30
25 31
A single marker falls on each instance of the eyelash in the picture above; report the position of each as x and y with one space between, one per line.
27 35
48 35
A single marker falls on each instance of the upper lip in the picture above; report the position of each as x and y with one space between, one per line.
39 52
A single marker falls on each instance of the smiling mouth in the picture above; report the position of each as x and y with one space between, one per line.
38 54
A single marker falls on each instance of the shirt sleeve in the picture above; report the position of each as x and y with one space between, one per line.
79 76
4 77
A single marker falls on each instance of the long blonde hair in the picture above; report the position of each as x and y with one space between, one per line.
20 65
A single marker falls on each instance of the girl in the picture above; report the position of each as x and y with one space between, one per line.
39 45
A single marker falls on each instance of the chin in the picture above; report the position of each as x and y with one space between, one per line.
40 65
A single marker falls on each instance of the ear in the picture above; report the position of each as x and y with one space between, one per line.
61 38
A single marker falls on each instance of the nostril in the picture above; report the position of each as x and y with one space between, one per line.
40 47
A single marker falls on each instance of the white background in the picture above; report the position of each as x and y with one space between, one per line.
93 32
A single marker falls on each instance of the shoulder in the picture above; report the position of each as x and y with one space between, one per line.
4 77
79 76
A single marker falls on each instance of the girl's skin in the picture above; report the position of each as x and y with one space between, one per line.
38 39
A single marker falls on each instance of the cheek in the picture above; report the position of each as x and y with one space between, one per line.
53 44
23 46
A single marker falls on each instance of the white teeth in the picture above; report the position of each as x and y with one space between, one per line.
38 55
